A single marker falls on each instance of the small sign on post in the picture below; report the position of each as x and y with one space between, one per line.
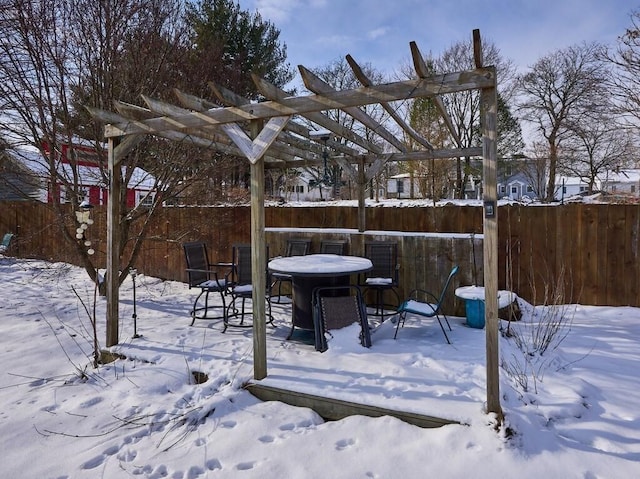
489 209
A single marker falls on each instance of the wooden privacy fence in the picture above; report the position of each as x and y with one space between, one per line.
582 253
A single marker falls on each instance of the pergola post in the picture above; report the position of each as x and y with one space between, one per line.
489 106
113 242
258 261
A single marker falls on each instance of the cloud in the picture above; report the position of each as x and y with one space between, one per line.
276 11
284 11
377 33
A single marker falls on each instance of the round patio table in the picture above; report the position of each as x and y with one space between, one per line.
312 271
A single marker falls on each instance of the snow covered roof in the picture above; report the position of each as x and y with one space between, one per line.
88 175
624 176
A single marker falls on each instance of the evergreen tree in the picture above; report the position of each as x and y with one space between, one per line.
229 44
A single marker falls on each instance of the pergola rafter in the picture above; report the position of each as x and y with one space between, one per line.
268 134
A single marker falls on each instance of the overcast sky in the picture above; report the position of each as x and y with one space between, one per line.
379 31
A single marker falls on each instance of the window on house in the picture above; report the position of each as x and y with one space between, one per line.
583 189
633 188
67 196
564 190
299 188
400 186
503 189
529 189
146 198
514 190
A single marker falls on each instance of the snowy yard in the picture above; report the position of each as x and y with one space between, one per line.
144 416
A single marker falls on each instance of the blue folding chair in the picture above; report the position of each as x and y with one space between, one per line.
425 304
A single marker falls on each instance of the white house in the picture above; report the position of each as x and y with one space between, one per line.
399 186
303 187
567 186
624 182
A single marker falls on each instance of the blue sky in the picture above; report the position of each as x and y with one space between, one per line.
379 31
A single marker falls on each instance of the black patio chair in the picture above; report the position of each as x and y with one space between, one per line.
383 277
209 277
241 289
295 247
427 305
338 247
336 307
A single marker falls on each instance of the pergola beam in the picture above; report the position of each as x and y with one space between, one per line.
403 90
319 118
319 86
393 113
281 150
423 72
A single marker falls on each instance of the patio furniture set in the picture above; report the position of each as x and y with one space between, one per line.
323 296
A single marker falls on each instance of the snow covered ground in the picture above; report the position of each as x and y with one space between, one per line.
572 413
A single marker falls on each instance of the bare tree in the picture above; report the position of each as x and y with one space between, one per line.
597 146
625 81
339 75
464 108
534 168
59 56
556 93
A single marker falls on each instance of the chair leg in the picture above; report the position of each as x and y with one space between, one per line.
290 335
195 307
380 304
269 314
445 318
401 318
441 327
205 308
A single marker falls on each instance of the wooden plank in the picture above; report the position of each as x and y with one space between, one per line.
589 249
390 109
631 270
114 233
315 84
614 260
333 409
423 72
489 113
259 256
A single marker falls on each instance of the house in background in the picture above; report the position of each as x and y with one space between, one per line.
567 186
18 182
516 186
399 186
303 187
623 182
92 185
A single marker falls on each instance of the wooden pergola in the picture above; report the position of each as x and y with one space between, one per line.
269 136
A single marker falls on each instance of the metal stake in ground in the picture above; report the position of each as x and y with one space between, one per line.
134 272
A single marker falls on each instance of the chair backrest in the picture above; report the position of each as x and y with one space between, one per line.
6 240
195 254
453 272
242 264
338 247
337 307
384 257
298 247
